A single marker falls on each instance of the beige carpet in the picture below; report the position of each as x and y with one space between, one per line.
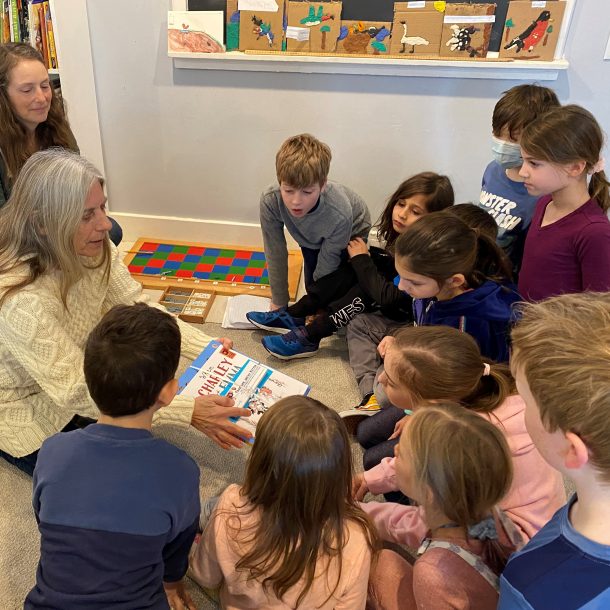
332 382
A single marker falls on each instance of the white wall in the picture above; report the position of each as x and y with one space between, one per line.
201 144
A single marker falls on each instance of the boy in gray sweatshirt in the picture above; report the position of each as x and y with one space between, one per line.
321 217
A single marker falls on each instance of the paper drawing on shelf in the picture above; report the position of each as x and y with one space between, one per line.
195 31
531 33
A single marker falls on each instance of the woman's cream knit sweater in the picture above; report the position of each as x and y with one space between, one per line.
42 384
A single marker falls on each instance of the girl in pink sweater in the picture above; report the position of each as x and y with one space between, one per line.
432 363
291 536
456 465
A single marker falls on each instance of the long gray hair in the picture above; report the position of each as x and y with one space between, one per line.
39 221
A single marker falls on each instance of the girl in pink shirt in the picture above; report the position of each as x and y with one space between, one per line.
291 536
567 248
456 465
425 364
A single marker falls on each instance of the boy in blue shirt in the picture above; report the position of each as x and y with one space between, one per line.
503 194
117 508
561 364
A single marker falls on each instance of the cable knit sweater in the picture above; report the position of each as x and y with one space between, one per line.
42 384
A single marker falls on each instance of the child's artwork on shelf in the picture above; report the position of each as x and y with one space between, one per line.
416 29
313 26
531 29
369 37
467 30
195 31
232 25
261 25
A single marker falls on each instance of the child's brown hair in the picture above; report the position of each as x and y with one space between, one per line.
442 363
476 218
436 188
303 161
465 462
520 106
567 135
440 245
562 346
299 476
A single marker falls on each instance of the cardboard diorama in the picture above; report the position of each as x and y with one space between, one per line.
531 29
195 31
416 29
260 30
232 26
467 30
366 37
313 26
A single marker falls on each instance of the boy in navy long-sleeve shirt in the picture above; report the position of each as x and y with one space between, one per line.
117 508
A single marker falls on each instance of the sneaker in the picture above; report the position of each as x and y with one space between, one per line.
279 321
352 417
294 344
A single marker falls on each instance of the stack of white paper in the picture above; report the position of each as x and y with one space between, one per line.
239 306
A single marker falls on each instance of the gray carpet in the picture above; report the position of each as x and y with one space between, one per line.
332 382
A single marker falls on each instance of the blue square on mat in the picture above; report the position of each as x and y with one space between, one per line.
192 258
252 279
201 275
165 248
220 269
171 265
240 262
151 270
211 252
258 256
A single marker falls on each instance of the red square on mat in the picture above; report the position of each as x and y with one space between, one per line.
224 261
156 262
196 251
148 246
135 269
255 271
184 273
243 254
235 278
176 256
204 267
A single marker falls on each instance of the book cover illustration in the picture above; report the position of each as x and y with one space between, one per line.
251 384
195 31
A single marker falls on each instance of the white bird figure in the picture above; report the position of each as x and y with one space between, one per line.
412 41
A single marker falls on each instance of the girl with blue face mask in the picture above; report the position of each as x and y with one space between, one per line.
503 194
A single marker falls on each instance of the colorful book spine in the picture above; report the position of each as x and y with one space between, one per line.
14 21
43 34
50 37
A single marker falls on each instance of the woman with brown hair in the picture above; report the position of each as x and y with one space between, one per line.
32 116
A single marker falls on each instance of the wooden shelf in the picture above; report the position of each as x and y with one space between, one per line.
372 66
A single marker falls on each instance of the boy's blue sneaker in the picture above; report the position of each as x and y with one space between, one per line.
279 321
294 344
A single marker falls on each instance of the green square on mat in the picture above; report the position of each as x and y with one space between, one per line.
180 249
258 264
188 266
160 255
168 272
227 254
264 280
140 261
237 270
218 276
208 260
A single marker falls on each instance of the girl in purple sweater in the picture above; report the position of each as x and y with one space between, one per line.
567 248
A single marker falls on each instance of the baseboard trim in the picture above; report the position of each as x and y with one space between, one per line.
189 229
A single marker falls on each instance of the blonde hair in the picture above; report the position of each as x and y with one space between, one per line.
465 462
299 476
569 134
303 161
442 363
41 218
562 346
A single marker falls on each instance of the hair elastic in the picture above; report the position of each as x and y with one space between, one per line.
486 369
600 166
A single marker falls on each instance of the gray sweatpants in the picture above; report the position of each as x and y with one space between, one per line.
364 333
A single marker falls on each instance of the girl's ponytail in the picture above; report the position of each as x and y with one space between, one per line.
492 389
491 262
599 189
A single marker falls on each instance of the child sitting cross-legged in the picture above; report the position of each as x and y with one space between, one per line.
117 508
427 364
365 284
291 536
457 466
561 361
